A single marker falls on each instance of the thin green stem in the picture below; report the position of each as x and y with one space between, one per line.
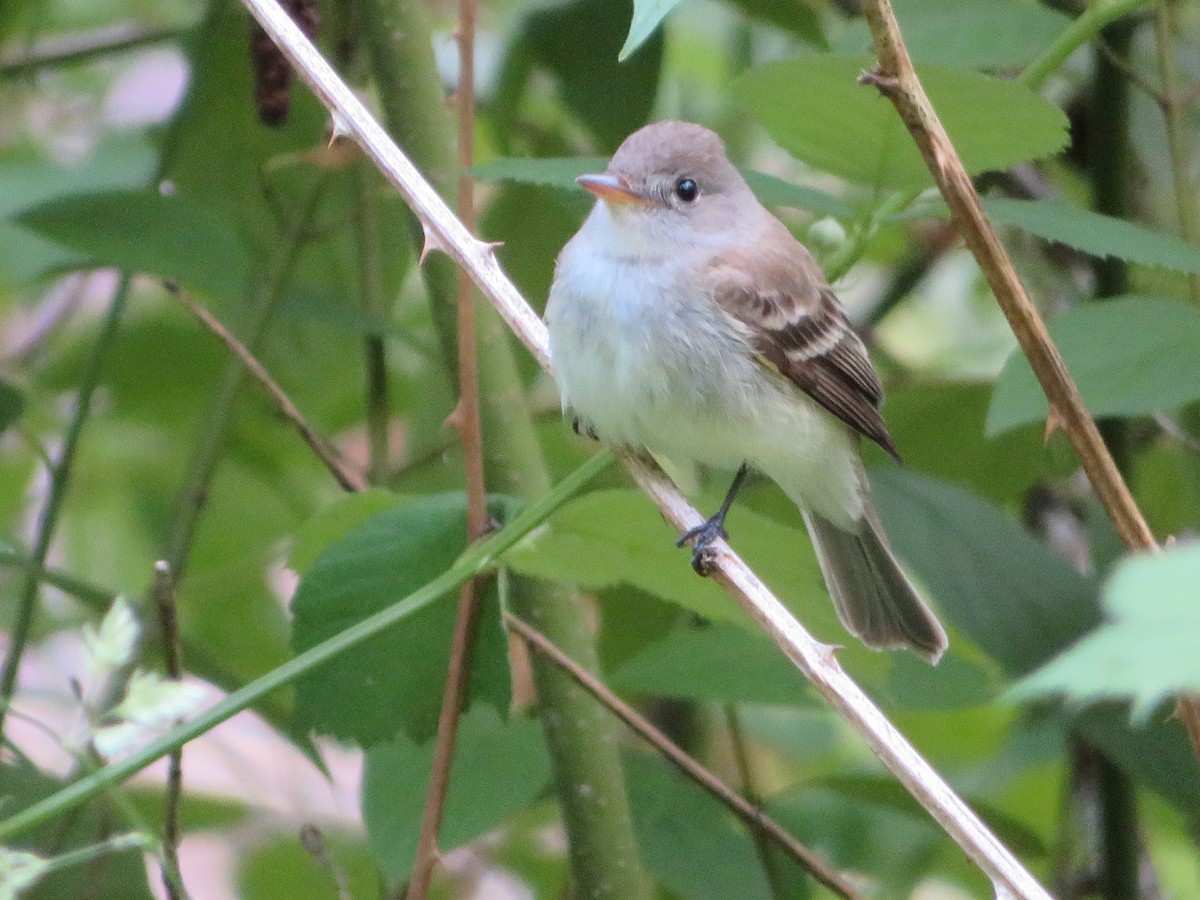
1082 31
83 855
60 477
96 598
476 559
843 259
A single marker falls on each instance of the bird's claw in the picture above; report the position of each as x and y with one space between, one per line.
702 537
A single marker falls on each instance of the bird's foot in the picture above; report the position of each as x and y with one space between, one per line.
702 538
583 429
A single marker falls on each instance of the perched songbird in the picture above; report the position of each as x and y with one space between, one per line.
686 320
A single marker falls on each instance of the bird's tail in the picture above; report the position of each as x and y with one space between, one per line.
874 598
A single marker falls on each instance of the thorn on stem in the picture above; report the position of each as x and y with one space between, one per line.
1054 423
887 85
432 243
455 419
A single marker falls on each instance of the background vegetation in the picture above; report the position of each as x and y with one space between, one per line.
131 437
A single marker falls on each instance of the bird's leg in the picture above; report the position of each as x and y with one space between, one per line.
704 535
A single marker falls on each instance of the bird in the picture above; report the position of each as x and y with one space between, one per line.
686 321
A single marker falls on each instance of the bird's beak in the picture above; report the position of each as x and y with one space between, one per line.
610 188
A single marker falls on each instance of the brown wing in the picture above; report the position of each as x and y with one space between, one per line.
796 323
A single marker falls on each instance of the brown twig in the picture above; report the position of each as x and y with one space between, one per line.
162 591
754 816
896 79
466 420
813 658
345 476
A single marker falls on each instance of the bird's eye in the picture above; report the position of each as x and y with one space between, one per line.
687 190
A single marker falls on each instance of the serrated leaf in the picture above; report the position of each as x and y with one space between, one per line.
814 108
1146 649
392 683
990 578
1095 233
147 232
721 663
12 404
561 173
1129 356
498 768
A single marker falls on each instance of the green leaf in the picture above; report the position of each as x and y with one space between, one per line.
958 449
578 43
1129 355
774 191
498 769
647 14
118 161
799 17
991 579
1145 650
968 34
721 663
885 791
613 537
145 231
393 682
558 172
281 868
12 404
561 173
815 109
335 521
1095 233
794 16
692 843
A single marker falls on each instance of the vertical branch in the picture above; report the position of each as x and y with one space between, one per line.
163 592
60 477
466 420
1110 157
1173 108
897 80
